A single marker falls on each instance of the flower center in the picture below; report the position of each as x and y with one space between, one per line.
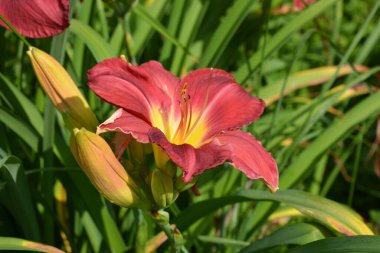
189 128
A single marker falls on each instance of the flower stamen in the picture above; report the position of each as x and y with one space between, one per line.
190 129
179 133
199 118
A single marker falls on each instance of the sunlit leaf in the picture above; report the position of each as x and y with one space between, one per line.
10 243
365 244
330 213
295 234
100 49
298 80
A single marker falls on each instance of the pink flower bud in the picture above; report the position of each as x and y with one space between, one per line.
62 90
105 172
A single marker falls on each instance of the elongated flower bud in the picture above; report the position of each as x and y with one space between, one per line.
103 169
162 188
62 90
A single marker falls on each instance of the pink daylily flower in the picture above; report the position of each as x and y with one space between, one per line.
36 18
300 4
195 120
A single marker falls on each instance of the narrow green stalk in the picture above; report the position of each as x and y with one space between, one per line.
22 38
47 179
295 55
329 181
319 171
266 14
336 30
142 234
161 218
356 166
169 233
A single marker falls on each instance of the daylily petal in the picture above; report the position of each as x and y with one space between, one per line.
125 122
300 4
249 156
137 89
120 143
219 102
36 18
192 161
161 78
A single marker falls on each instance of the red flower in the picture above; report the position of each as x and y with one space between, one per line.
194 120
300 4
36 18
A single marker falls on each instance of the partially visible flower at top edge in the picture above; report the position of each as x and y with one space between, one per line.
195 120
300 4
62 91
36 18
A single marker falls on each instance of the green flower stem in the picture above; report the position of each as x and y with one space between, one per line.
175 238
170 234
22 38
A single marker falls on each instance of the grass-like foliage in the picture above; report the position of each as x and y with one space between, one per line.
316 68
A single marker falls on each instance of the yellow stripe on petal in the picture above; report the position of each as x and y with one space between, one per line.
195 137
159 120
